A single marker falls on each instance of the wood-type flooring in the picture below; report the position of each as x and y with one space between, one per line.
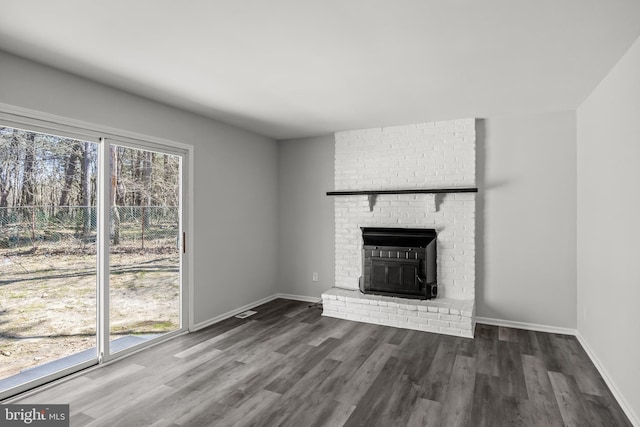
287 365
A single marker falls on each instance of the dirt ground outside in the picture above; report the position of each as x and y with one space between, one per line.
48 301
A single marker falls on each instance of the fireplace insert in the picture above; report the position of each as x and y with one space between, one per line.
399 262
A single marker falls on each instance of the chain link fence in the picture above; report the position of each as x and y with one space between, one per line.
70 228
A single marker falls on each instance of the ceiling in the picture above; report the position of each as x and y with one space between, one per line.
295 68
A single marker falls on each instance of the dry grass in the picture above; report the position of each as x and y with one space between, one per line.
48 302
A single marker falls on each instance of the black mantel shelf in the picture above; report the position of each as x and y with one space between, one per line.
407 191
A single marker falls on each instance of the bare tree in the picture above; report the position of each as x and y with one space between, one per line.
41 173
28 179
146 182
115 214
6 166
85 196
69 173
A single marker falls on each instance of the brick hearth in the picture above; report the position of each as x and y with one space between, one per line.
443 315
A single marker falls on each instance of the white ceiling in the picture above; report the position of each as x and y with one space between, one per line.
293 68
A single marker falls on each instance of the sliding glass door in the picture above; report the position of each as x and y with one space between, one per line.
47 255
145 250
91 251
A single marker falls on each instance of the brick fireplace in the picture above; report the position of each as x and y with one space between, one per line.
426 155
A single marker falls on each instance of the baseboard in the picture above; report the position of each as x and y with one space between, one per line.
524 325
246 307
633 417
232 313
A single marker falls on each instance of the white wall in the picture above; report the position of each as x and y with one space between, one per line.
526 230
526 211
235 177
306 227
608 225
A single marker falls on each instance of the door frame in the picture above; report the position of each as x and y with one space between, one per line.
58 125
103 320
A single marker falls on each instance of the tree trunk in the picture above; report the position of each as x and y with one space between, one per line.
146 179
121 189
138 178
115 215
69 175
28 184
5 188
166 179
85 196
5 180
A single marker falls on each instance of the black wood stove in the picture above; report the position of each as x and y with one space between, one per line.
399 262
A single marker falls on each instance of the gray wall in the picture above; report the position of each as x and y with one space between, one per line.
306 226
235 177
526 219
608 225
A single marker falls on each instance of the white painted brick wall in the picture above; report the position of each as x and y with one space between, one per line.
426 155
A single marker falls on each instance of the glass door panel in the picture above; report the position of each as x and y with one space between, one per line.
47 256
145 246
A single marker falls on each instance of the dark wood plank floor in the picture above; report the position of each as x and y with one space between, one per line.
289 366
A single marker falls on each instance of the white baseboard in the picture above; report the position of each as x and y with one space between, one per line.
524 325
633 417
246 307
231 313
